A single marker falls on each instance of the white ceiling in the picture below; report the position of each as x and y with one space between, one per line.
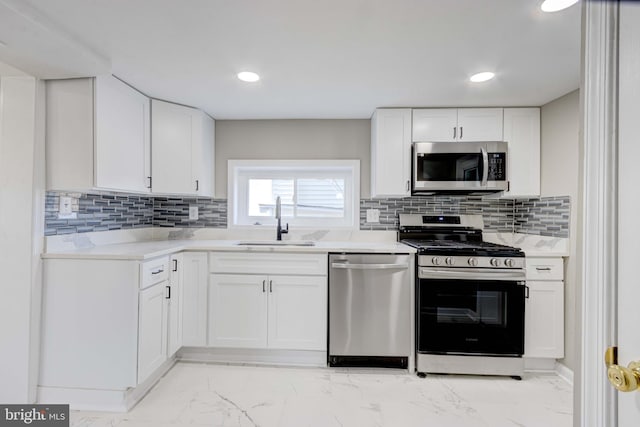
328 58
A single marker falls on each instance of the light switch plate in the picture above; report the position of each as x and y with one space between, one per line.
193 213
373 215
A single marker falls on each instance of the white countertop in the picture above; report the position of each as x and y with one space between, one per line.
152 249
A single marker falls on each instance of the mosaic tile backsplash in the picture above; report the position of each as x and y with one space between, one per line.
102 211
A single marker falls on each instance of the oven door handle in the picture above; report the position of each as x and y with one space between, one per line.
471 273
485 166
368 266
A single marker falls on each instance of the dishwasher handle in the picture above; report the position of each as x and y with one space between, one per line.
349 266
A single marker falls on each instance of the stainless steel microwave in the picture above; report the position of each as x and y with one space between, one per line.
459 167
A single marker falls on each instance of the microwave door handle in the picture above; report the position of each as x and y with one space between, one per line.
485 166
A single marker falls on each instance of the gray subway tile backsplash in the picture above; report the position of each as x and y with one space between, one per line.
102 211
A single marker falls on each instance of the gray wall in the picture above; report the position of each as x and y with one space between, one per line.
560 176
292 140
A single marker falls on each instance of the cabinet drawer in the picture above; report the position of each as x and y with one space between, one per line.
268 263
154 271
545 269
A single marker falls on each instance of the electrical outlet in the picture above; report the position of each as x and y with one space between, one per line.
373 215
65 209
193 213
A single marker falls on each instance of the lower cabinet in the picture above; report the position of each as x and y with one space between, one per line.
544 311
152 329
194 299
279 312
175 298
544 320
268 310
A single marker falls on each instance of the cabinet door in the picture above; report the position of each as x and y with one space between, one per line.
435 125
203 159
297 312
122 136
479 124
175 304
172 133
544 320
391 152
522 133
238 310
152 330
194 299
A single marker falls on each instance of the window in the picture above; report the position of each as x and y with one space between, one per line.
318 193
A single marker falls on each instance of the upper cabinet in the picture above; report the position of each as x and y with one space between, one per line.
457 124
522 133
97 135
183 149
390 152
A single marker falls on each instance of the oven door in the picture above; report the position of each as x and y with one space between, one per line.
459 166
471 316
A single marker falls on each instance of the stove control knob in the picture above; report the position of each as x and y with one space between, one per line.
436 261
449 261
473 262
509 262
495 262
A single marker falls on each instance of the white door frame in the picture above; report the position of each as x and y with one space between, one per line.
595 400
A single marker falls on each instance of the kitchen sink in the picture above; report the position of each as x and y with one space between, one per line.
276 243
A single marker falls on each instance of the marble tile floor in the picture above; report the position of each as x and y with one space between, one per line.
194 394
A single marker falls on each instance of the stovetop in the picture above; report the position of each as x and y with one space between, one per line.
461 248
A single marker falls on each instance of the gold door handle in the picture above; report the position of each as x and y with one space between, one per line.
623 379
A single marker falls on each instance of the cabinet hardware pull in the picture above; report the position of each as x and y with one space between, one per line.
175 265
149 178
168 292
407 186
197 185
460 132
455 129
543 268
526 292
158 271
264 282
271 286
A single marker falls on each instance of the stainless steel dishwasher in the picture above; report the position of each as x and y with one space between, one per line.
370 310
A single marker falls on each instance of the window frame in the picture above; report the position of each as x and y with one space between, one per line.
239 172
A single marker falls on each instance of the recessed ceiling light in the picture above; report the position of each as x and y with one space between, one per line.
248 76
482 77
556 5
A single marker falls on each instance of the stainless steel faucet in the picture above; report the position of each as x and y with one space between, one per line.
279 230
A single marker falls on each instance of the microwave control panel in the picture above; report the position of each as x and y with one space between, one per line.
497 167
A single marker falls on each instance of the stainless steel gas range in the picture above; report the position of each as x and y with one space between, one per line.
470 297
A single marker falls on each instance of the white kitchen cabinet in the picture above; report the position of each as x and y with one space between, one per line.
174 328
152 329
297 297
104 330
522 133
268 301
457 124
97 135
183 147
391 152
194 299
238 311
544 311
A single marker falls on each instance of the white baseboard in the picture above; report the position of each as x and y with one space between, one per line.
80 399
307 358
564 372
